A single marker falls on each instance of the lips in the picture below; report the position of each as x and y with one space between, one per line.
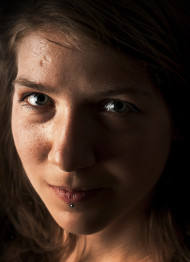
75 196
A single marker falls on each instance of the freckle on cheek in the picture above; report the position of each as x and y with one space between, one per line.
31 146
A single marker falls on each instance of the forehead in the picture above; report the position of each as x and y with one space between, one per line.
47 56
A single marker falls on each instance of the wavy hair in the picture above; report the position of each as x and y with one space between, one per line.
156 32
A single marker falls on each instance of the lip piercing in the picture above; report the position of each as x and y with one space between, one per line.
72 205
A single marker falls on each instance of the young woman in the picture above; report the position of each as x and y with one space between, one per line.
94 132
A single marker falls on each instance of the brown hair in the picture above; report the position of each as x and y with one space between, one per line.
156 32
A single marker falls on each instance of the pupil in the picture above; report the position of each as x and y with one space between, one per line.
119 105
41 98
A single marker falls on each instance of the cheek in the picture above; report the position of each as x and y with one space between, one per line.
30 140
138 164
140 155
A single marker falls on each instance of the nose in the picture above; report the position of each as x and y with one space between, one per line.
71 142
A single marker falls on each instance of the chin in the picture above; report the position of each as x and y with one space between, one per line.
82 224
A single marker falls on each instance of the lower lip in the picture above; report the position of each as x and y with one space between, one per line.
73 197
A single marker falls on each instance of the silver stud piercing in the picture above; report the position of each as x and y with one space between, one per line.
72 205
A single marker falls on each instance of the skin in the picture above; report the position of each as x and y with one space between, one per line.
73 141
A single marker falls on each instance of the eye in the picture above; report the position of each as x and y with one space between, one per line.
120 106
37 99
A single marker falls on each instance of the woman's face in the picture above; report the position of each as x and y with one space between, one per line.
90 130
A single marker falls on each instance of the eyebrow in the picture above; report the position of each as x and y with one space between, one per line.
31 84
119 90
114 89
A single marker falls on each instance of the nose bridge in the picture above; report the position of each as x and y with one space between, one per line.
70 131
72 141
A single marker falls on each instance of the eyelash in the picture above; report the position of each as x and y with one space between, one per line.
33 107
128 107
